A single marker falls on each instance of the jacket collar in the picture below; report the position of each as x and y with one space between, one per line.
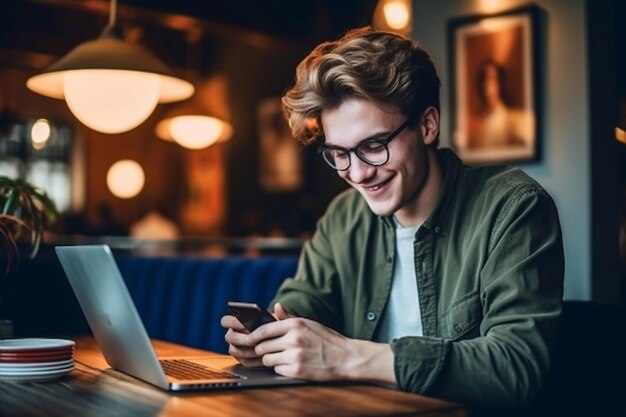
453 169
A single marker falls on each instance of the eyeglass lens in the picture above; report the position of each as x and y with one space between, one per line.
371 152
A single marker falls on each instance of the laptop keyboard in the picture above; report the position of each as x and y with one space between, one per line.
183 369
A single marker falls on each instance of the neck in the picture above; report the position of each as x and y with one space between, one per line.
427 196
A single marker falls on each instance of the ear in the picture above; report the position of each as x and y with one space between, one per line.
429 125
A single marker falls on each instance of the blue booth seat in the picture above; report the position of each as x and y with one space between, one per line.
181 299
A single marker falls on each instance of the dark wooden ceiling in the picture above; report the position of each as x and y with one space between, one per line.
33 33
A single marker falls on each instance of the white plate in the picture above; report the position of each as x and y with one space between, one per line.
35 378
33 372
35 365
34 345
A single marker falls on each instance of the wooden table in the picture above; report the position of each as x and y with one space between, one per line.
94 389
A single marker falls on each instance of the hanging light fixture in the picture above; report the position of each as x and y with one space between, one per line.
193 129
189 124
109 85
394 15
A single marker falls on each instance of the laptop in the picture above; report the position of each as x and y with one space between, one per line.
120 333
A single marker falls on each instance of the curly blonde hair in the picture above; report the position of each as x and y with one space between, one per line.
364 63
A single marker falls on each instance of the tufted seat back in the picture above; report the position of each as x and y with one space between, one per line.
181 299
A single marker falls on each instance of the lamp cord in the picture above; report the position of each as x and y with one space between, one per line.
112 13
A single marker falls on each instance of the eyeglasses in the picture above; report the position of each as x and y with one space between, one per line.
373 152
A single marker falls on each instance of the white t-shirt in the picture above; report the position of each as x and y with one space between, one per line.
402 316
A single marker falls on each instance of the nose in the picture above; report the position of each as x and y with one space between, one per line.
359 171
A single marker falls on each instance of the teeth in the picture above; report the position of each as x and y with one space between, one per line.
377 186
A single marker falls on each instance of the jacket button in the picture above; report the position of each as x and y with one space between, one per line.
389 259
371 316
437 229
457 328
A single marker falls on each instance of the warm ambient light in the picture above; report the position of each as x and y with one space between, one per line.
111 86
125 178
194 131
393 15
40 133
396 14
111 101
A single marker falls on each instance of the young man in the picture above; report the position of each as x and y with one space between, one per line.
428 276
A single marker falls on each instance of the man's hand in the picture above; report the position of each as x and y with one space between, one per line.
239 344
301 348
304 349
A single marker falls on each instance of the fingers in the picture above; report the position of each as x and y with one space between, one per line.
251 363
280 313
232 322
239 347
276 329
237 338
245 356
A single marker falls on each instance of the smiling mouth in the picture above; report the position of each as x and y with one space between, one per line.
377 186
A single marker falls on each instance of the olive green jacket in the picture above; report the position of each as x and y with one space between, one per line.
489 265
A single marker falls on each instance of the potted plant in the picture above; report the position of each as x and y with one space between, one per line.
26 212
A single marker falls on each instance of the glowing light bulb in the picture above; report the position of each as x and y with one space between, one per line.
40 133
125 178
111 101
196 132
396 14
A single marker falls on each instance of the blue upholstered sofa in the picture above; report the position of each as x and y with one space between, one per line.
181 299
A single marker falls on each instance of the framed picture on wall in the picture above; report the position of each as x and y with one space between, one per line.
494 86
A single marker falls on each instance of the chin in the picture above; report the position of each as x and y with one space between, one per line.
381 208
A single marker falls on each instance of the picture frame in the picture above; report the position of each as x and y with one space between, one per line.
495 86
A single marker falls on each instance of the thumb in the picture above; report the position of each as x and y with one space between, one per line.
280 313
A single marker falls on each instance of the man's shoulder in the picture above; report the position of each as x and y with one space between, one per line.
495 190
500 180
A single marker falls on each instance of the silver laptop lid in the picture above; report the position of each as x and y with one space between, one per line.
110 311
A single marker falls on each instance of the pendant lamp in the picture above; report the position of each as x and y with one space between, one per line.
189 124
109 85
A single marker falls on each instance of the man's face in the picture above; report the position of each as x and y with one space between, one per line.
392 188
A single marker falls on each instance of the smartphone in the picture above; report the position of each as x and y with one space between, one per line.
249 314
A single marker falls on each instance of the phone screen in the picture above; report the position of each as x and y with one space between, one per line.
250 315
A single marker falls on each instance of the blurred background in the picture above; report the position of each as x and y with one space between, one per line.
253 179
240 56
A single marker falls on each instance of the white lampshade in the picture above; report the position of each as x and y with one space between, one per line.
194 130
111 86
111 101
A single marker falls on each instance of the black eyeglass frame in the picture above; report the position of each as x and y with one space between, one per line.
355 150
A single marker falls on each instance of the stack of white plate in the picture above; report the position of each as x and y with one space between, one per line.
29 360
